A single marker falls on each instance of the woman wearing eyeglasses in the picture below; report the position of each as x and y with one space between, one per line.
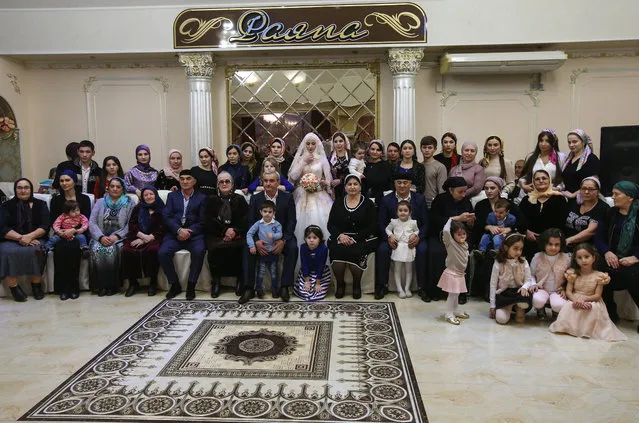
584 213
543 208
225 226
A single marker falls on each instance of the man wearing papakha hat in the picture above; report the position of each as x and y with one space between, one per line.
388 211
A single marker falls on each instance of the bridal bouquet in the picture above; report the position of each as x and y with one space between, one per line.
310 182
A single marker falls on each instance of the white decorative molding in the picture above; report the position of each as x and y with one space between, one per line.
534 96
405 60
598 53
576 85
197 64
93 85
445 96
575 74
13 80
100 64
165 83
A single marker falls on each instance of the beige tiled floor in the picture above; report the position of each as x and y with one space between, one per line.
476 372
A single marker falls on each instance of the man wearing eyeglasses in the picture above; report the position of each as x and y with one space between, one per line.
184 219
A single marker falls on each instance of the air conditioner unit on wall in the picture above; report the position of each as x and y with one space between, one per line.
487 63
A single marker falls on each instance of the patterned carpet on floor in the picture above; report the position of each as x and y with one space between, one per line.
218 361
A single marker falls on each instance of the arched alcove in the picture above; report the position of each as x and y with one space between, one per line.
10 168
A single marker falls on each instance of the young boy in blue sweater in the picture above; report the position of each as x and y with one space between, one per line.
267 230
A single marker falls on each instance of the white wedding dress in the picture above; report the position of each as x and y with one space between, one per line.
312 208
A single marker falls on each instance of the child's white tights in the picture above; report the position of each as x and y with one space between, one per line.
399 270
451 305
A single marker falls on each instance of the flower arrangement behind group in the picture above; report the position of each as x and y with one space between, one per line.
310 182
7 124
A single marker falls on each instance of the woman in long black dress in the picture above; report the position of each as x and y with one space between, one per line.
378 177
339 159
67 255
225 226
580 164
353 227
24 221
544 208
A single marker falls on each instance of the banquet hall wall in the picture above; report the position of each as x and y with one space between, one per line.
150 105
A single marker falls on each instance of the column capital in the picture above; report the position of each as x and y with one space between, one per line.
405 60
198 64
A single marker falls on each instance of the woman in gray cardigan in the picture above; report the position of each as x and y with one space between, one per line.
108 225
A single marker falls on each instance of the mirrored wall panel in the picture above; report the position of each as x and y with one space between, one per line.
289 103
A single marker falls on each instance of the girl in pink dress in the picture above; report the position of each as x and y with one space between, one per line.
585 314
453 279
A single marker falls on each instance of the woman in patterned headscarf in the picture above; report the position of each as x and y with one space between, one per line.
617 240
581 162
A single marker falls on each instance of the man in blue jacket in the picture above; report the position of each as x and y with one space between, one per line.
184 220
388 211
286 216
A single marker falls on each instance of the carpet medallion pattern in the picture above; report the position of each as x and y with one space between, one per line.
218 361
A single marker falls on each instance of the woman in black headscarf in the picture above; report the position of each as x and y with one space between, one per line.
225 226
452 203
24 222
617 240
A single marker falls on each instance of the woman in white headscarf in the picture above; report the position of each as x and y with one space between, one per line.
312 203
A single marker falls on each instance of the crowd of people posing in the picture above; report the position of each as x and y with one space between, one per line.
541 235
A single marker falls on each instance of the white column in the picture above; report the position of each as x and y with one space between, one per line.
199 71
404 64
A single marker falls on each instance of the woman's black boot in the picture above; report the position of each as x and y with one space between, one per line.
133 288
357 290
18 294
340 290
38 293
153 287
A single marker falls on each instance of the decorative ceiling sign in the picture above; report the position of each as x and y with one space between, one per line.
335 25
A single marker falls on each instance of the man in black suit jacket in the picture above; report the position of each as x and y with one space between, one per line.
286 216
388 211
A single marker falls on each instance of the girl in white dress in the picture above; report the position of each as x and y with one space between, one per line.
312 206
403 257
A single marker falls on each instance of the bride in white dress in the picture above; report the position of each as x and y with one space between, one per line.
312 208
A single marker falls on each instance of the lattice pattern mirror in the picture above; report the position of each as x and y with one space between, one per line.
289 103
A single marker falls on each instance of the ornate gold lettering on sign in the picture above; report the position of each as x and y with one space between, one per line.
393 23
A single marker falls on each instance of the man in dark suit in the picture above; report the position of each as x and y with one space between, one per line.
184 219
286 216
388 211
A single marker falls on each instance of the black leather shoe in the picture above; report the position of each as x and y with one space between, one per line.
357 291
284 294
132 289
74 295
38 293
102 292
215 287
111 292
424 296
174 291
340 290
379 295
64 296
153 289
18 294
248 294
275 293
190 292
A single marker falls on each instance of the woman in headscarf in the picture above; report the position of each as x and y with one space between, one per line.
141 174
24 222
225 226
142 243
169 176
408 163
250 159
377 174
472 172
543 208
67 254
495 164
448 157
206 172
278 152
353 226
493 186
111 167
312 204
339 159
109 225
545 157
581 162
617 240
584 213
452 203
392 154
238 171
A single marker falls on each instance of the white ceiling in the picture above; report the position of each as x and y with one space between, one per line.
49 4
